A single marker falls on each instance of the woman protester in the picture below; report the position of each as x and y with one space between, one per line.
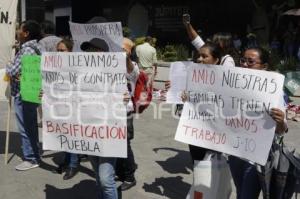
244 173
209 53
71 160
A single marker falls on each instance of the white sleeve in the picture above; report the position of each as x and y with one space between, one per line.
133 76
227 60
198 42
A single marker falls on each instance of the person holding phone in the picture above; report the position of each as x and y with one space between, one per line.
223 40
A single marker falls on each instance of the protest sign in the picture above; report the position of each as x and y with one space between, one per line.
228 110
83 103
111 33
178 78
4 89
31 79
8 14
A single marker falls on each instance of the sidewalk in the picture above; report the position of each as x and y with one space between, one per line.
164 165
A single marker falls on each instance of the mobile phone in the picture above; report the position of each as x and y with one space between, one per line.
186 18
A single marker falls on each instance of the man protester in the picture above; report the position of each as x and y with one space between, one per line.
26 115
125 167
147 59
104 167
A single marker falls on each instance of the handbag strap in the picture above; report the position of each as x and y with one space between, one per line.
224 59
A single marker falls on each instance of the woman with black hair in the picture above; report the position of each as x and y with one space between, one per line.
71 160
244 173
209 53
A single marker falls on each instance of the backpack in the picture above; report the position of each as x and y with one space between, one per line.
142 94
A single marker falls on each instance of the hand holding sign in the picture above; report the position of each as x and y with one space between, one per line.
278 115
228 110
83 103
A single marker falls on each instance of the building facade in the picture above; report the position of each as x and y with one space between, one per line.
159 18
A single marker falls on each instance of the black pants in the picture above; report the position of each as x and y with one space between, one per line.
126 167
245 178
197 153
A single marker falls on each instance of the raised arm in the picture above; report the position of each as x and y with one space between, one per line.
192 34
191 31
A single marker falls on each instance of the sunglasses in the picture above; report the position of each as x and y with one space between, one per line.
249 61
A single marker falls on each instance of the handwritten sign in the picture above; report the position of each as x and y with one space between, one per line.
31 79
110 32
8 15
83 103
228 110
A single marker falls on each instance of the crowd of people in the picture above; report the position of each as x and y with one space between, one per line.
222 49
284 42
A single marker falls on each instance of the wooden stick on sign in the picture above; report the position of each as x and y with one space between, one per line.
7 131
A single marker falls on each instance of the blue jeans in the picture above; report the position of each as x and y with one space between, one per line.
26 118
104 168
245 178
72 160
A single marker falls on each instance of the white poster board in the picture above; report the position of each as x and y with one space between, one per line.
83 108
109 32
228 110
178 78
8 14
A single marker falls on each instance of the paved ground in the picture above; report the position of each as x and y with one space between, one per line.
164 165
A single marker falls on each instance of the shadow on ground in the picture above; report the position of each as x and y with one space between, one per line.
181 163
14 149
58 158
170 187
14 144
85 189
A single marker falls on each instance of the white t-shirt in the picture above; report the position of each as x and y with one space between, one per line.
147 55
226 60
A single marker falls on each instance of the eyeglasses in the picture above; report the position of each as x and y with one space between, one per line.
249 61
